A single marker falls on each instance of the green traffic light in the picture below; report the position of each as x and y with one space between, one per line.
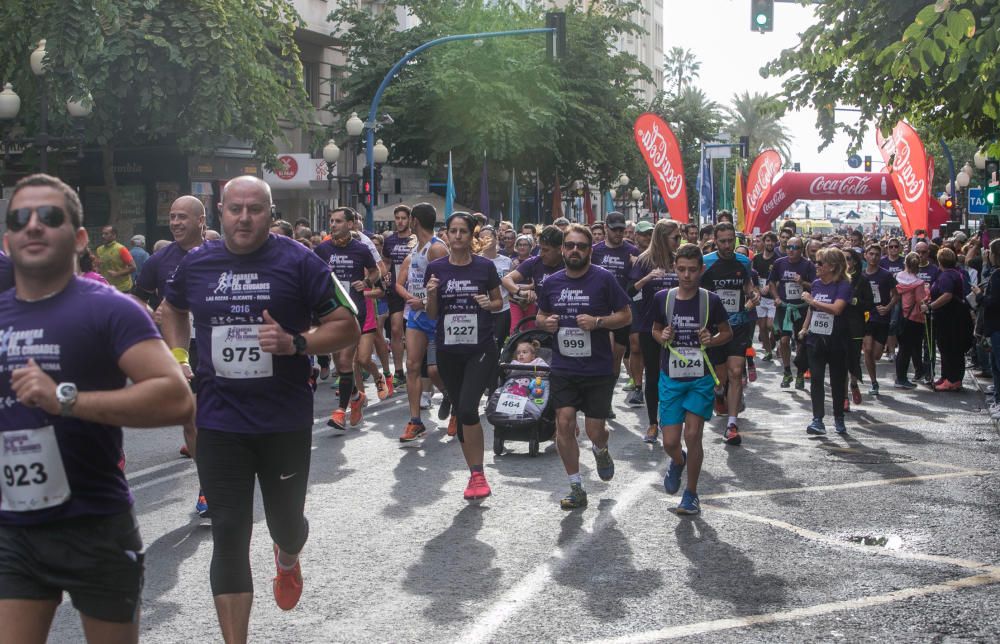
761 19
991 197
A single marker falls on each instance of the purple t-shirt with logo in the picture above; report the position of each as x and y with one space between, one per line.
350 263
395 250
828 294
158 269
6 272
464 325
882 283
241 388
76 336
597 293
536 270
617 260
687 322
892 266
785 272
644 304
929 274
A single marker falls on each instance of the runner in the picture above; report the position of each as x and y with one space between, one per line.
952 321
69 348
728 275
579 305
488 242
187 221
928 272
686 321
598 231
395 250
886 299
912 294
114 262
525 281
421 355
893 262
859 307
463 294
615 255
652 271
790 275
762 263
352 263
254 296
825 334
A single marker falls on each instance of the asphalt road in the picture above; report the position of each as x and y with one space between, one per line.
889 533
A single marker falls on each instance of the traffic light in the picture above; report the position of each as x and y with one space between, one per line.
744 147
868 164
377 187
365 186
796 167
990 182
761 15
555 41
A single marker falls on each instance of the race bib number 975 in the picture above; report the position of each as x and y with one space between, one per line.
236 353
32 476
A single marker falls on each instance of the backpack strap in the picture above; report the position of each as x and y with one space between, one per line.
703 302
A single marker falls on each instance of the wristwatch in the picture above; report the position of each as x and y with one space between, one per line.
299 342
66 394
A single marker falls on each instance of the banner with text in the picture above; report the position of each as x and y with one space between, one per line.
762 174
663 157
907 163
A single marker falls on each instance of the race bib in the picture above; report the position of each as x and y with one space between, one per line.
730 300
793 291
461 328
876 295
573 342
236 353
418 292
33 474
638 297
511 405
821 323
762 282
690 363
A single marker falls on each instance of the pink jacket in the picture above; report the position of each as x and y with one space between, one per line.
913 291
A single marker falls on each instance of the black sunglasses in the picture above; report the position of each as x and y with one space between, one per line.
793 247
51 216
577 245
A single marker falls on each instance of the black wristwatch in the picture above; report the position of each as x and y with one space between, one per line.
300 344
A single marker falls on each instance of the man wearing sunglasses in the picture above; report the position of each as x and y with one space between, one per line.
68 348
790 276
579 305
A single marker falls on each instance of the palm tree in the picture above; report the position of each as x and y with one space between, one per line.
758 117
680 67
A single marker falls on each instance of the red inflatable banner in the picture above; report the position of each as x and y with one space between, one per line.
764 170
834 186
904 155
663 157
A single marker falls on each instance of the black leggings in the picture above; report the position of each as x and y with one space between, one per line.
911 342
830 351
501 326
228 462
949 342
854 347
650 350
466 376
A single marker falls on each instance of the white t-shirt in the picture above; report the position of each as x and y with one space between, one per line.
503 264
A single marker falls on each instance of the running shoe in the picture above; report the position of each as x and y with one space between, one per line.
847 405
324 373
576 499
611 416
357 406
720 406
672 479
732 435
477 488
807 375
904 384
338 422
689 504
399 381
768 356
651 434
839 426
453 426
201 506
445 409
425 400
605 464
816 427
630 386
947 385
635 399
382 387
856 394
412 432
751 371
786 381
389 385
287 584
800 382
874 390
184 451
995 411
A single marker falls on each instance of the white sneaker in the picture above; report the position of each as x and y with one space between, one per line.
995 411
425 400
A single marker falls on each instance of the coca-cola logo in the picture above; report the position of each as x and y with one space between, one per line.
769 168
655 147
914 187
853 186
776 199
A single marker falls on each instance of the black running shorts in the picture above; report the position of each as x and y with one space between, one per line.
589 394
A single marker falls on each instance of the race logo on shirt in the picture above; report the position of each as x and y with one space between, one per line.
19 346
461 287
240 286
573 296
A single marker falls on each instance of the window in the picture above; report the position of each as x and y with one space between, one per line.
310 78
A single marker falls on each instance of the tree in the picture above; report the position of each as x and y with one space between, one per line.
758 117
189 72
572 116
935 65
681 67
695 120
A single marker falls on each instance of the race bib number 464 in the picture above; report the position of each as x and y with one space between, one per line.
32 476
236 353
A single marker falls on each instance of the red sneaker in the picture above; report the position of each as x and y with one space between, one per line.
453 426
855 394
357 406
287 584
184 451
477 488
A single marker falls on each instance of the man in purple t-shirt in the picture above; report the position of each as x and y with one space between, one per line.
254 297
66 518
396 249
580 305
615 255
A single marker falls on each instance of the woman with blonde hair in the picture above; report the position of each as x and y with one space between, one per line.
826 334
912 293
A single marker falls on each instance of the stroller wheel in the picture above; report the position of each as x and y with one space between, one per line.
533 448
497 445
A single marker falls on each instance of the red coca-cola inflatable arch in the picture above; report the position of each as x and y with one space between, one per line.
906 183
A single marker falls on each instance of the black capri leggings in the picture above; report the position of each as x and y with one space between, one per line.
828 351
228 463
650 350
466 376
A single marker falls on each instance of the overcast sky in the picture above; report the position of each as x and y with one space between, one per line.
718 32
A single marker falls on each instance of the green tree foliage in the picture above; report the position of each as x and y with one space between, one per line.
680 68
935 64
503 98
758 117
189 72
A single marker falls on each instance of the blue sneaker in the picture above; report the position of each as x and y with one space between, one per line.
816 427
839 426
689 504
605 466
672 480
201 506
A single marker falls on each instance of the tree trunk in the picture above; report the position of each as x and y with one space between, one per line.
114 198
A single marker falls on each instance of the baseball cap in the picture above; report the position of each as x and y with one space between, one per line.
139 239
644 226
614 220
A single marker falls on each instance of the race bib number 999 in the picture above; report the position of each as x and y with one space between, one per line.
574 342
32 476
236 353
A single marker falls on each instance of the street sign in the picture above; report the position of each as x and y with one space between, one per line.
854 160
977 202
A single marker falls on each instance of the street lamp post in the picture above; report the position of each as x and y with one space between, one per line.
331 154
577 203
355 126
10 105
636 196
962 180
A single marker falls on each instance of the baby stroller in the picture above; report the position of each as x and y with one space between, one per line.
519 408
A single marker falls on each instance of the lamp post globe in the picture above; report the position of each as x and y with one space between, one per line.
980 159
331 153
80 108
967 169
636 194
10 103
380 153
623 180
38 59
962 179
355 126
